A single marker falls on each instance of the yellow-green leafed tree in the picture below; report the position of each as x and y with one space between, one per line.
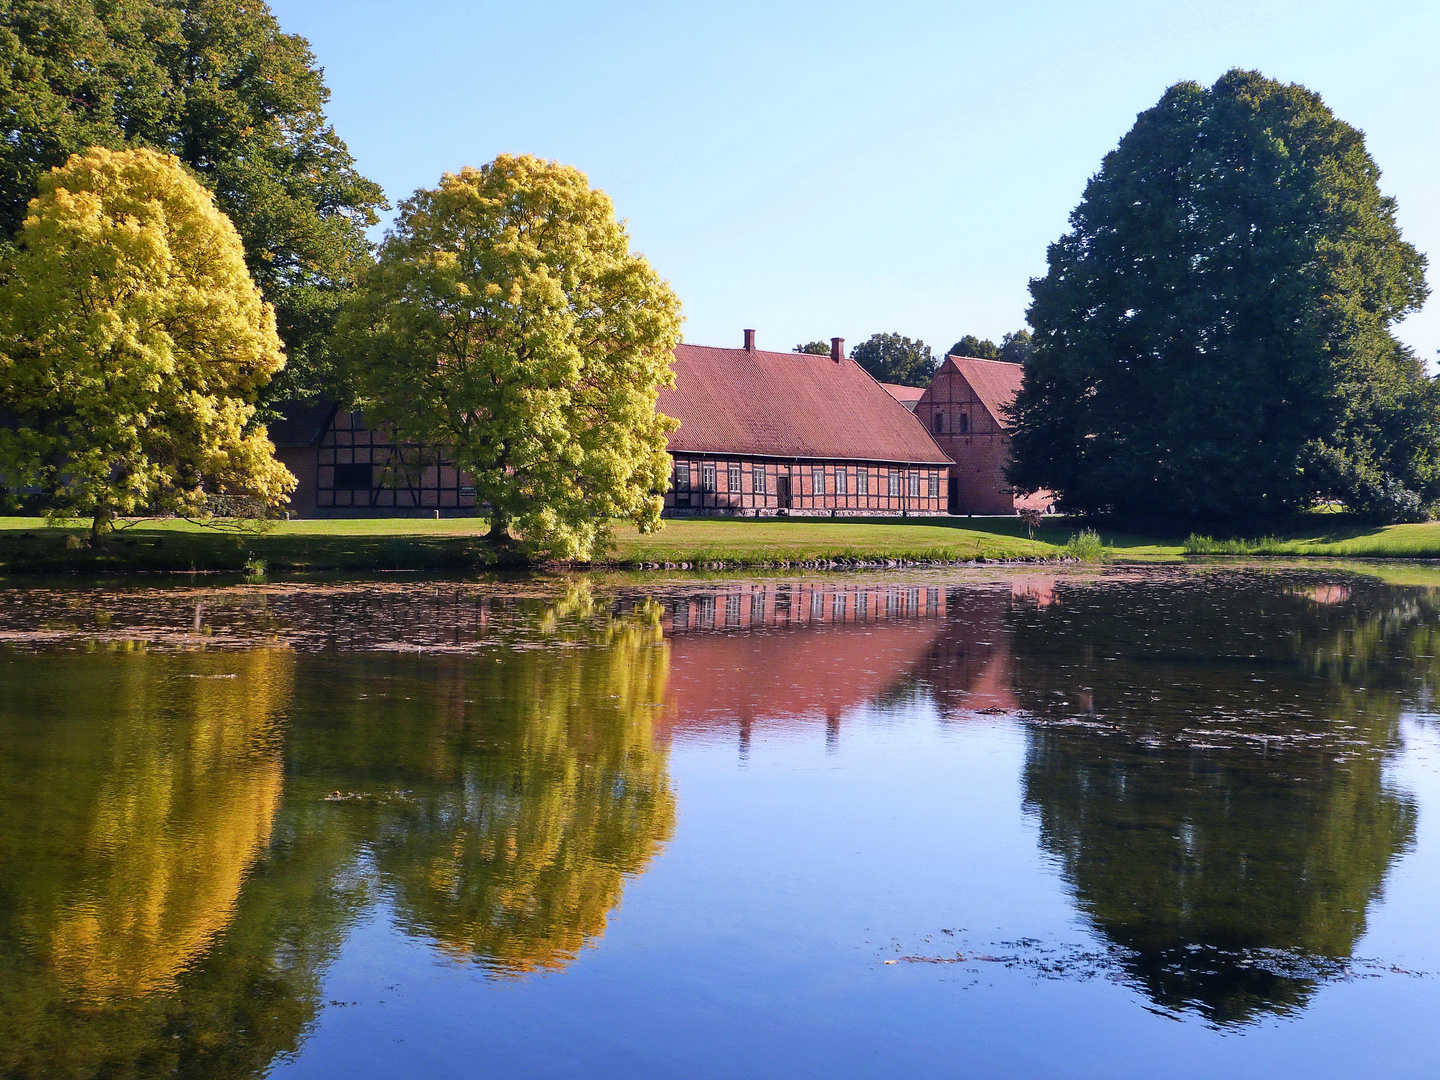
507 320
132 345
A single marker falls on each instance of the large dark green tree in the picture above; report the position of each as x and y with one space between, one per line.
237 100
895 359
1213 336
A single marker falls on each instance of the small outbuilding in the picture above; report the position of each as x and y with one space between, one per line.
909 396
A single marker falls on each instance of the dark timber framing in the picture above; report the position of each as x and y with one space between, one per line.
361 468
790 486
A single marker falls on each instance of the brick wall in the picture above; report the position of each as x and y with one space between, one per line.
975 441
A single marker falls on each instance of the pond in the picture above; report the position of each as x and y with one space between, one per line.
1171 823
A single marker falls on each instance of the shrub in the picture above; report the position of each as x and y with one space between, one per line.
1086 546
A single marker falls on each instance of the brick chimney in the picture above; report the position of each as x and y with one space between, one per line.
837 349
749 340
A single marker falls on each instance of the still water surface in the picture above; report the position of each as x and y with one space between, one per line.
1173 824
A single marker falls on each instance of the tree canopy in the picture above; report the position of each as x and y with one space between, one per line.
814 348
980 348
238 101
1017 348
1212 337
892 358
132 346
507 320
1014 348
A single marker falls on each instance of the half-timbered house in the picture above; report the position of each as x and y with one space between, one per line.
346 468
765 433
761 433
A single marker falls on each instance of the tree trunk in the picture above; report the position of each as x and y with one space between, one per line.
102 523
499 534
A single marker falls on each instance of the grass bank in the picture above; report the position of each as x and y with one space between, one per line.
750 542
28 545
369 545
363 545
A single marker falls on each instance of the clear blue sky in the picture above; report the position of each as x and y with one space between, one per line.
820 169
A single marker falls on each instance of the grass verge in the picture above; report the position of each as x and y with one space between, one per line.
367 545
370 545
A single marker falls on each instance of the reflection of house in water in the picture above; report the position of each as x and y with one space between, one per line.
970 669
776 654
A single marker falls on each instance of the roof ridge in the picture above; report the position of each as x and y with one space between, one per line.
984 359
755 352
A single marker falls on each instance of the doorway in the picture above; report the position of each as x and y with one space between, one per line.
954 501
782 492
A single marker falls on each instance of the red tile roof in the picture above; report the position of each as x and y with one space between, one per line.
792 405
995 382
909 396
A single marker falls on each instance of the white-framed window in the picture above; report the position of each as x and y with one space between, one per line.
842 477
757 477
707 477
817 481
934 485
862 481
734 477
894 482
914 483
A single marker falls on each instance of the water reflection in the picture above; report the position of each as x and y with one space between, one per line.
179 912
191 830
168 826
770 655
141 790
535 787
1207 764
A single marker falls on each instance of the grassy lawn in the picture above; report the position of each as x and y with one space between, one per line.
748 541
370 544
350 545
362 545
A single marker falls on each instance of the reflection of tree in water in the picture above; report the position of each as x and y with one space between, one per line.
529 805
151 785
1206 764
160 916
